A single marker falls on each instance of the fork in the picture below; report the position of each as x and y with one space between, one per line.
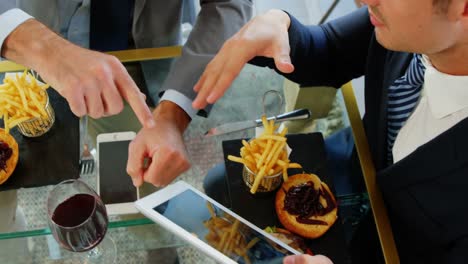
86 159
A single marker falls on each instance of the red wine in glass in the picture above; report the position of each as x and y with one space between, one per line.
80 222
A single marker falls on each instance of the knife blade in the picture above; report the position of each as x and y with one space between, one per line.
298 114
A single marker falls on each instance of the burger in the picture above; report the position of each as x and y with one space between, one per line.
306 206
8 155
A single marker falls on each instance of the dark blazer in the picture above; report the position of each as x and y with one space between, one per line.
426 193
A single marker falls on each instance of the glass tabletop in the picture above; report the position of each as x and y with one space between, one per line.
29 239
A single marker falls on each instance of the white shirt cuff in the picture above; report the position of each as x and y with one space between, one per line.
9 21
181 100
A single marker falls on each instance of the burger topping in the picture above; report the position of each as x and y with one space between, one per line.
5 154
304 201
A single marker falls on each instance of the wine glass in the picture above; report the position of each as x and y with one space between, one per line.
78 221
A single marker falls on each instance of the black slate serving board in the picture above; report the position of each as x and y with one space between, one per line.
52 157
307 150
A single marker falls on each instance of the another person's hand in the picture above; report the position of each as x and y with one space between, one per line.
265 35
307 259
162 145
93 83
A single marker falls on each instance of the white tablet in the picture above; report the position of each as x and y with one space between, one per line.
211 227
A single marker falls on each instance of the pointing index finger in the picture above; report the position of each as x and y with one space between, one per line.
135 99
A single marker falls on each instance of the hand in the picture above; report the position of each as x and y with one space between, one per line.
93 83
265 35
162 145
307 259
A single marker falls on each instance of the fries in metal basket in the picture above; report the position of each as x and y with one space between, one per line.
265 157
22 98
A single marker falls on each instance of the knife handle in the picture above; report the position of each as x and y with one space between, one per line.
298 114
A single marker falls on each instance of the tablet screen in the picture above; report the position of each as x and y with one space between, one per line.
220 229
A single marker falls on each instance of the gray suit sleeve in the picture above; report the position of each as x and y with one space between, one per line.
216 22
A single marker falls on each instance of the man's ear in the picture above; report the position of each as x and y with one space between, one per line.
464 19
457 9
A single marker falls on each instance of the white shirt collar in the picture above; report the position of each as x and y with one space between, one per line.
446 94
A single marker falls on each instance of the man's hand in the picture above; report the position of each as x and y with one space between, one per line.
93 83
162 145
265 35
307 259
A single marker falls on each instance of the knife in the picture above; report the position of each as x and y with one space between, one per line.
298 114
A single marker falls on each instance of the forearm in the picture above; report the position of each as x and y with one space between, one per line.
32 44
9 21
170 113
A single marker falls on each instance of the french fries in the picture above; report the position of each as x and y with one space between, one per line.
22 98
265 157
227 235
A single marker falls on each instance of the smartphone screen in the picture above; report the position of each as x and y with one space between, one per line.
220 229
115 184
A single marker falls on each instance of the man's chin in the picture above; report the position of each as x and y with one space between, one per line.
388 43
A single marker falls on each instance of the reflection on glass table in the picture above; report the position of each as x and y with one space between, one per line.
139 240
215 226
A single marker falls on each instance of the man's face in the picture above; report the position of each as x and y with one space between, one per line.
412 25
